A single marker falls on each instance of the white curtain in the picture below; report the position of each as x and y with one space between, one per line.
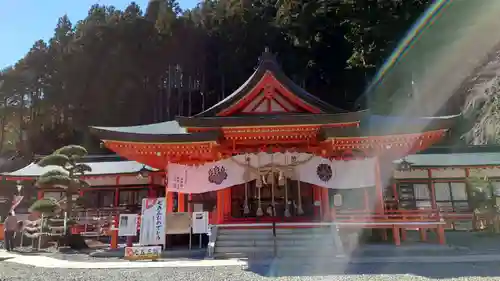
338 174
298 166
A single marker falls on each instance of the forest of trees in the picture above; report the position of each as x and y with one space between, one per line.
148 64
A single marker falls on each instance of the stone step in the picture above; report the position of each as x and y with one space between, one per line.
279 242
279 253
278 231
296 236
296 250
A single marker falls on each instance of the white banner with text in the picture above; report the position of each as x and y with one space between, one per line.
297 166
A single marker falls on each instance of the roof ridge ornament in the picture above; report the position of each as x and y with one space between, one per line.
267 55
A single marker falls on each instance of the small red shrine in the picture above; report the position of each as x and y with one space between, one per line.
270 114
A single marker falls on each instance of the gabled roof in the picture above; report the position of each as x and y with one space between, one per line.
454 159
269 72
98 169
379 125
273 120
169 131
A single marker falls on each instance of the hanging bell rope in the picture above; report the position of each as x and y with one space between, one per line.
287 207
258 184
269 177
246 210
281 179
300 211
272 182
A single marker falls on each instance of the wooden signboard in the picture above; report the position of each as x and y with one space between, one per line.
178 223
143 253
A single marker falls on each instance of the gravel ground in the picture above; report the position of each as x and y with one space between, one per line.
53 253
396 272
474 241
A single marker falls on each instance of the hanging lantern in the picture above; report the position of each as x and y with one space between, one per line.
287 212
270 178
246 175
300 211
281 179
258 182
404 165
259 212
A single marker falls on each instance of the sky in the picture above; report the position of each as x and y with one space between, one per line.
22 22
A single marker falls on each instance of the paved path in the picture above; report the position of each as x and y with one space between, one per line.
49 262
358 272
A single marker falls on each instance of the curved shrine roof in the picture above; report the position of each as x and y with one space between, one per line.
269 65
285 104
369 125
98 168
379 125
167 132
273 120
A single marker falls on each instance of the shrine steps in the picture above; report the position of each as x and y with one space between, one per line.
259 243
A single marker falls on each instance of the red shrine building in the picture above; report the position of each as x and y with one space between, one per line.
271 151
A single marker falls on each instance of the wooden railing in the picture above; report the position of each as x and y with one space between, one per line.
95 222
426 217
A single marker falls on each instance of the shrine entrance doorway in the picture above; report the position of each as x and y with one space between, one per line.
292 201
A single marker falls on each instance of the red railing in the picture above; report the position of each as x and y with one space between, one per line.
399 216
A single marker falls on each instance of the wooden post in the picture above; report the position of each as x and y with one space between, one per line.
432 189
130 240
383 231
395 192
396 235
403 234
423 234
441 235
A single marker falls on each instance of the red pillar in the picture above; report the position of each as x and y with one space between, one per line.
396 235
395 192
441 235
170 201
114 233
379 189
220 206
181 202
423 234
432 189
317 198
325 204
227 202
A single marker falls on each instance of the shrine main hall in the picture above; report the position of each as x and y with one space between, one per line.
272 152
